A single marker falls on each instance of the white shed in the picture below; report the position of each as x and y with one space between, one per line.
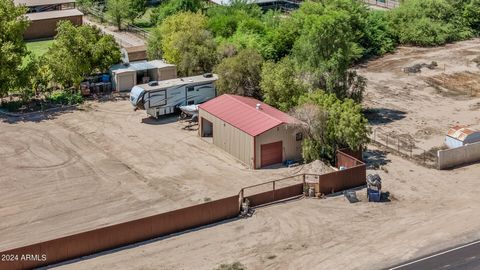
460 135
125 76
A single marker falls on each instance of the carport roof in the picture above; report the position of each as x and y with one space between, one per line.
56 14
241 113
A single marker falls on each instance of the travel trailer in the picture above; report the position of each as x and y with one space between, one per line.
165 97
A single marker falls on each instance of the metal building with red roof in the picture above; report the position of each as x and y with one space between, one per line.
252 131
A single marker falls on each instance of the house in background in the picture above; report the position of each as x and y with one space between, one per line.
250 130
459 136
44 16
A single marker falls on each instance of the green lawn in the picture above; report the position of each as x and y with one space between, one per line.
38 48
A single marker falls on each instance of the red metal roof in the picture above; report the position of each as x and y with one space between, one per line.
241 113
460 132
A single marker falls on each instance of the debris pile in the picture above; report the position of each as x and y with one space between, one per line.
477 60
418 67
316 167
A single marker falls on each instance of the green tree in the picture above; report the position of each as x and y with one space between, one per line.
429 22
78 52
471 13
240 74
118 11
135 9
183 39
280 86
171 7
12 47
378 37
342 124
326 49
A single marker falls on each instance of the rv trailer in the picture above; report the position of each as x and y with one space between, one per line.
164 97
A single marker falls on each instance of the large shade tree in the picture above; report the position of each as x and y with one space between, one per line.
184 40
240 74
12 47
79 51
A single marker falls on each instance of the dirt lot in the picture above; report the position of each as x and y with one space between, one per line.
102 165
422 106
429 210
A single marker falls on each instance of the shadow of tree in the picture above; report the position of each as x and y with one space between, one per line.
380 116
36 117
375 158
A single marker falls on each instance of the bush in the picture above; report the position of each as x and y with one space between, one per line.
65 97
429 22
12 106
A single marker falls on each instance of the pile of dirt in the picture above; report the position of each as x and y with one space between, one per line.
316 167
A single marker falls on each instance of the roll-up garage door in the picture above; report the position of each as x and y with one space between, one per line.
271 153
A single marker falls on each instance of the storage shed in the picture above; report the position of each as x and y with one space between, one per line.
44 15
125 76
460 135
252 131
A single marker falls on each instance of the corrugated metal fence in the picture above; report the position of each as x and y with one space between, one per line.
101 239
117 235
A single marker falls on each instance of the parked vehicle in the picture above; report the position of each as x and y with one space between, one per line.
165 97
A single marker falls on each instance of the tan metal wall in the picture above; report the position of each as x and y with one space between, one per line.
292 149
229 138
89 242
167 73
125 81
47 28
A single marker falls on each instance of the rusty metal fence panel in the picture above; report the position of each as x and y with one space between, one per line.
274 190
117 235
90 242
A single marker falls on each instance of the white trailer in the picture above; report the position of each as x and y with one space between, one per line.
165 97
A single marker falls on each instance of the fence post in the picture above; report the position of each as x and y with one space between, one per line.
398 144
273 185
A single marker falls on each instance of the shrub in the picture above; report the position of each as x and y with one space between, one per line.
65 97
429 23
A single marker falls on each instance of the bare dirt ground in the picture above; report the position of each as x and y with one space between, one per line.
425 105
106 164
429 210
124 38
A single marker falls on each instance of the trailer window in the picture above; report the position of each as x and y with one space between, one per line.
190 89
191 102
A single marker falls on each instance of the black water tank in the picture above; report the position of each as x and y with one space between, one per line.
208 75
153 83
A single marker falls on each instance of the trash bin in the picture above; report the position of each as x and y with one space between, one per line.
373 195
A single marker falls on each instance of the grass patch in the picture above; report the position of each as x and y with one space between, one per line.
38 48
144 21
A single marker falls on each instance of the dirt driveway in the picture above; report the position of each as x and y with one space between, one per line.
105 164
